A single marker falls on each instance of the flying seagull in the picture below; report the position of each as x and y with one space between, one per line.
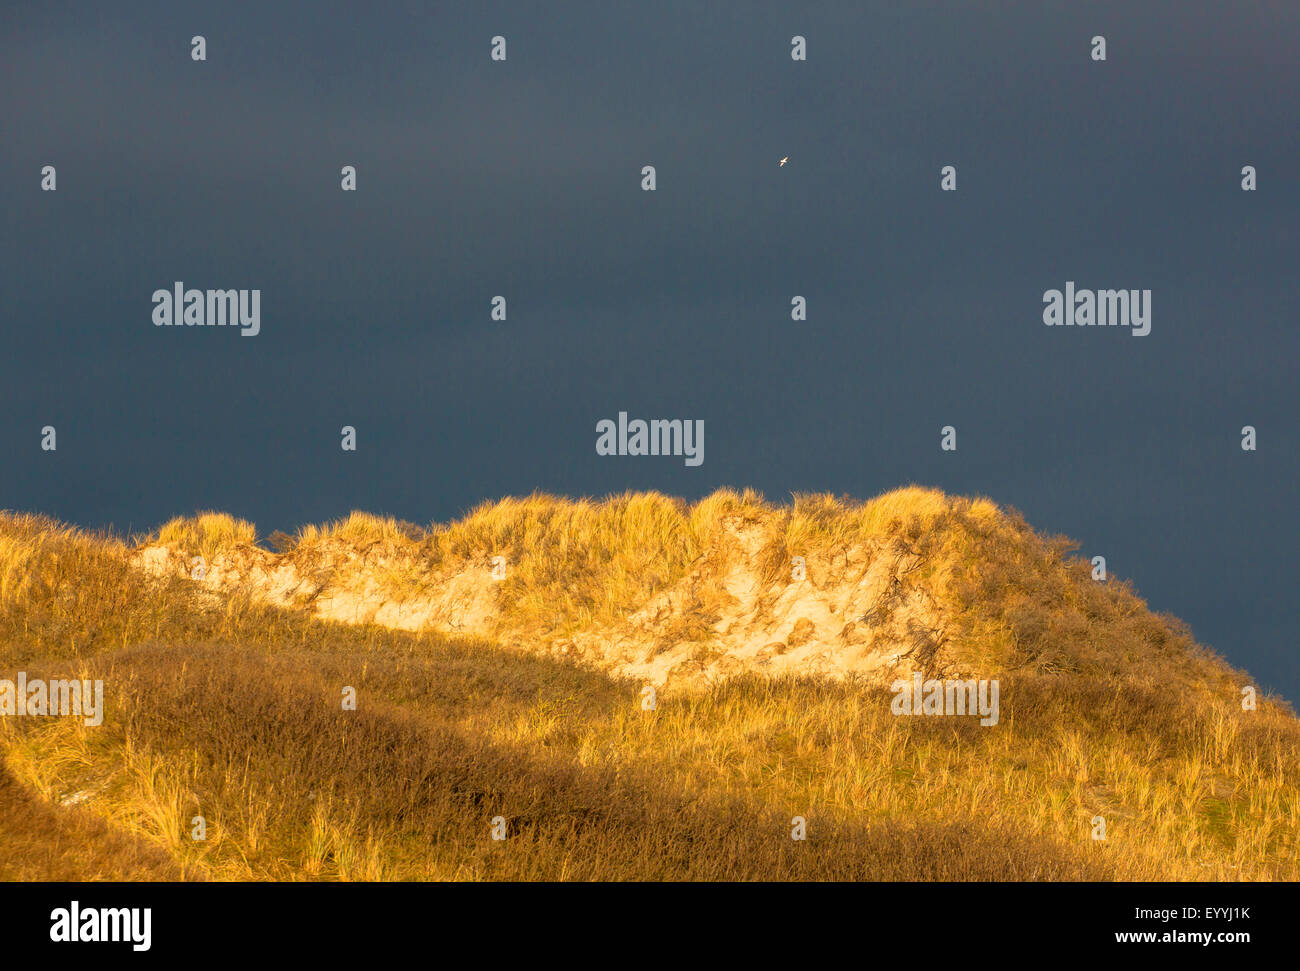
784 160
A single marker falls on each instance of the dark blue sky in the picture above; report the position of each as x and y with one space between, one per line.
523 179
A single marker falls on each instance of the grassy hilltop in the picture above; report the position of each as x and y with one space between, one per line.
499 661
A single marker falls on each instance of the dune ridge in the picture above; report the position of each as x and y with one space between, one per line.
772 631
650 587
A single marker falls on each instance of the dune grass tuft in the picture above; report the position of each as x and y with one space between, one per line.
206 533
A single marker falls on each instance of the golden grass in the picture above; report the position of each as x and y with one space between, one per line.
206 533
360 529
230 710
1010 598
39 841
577 563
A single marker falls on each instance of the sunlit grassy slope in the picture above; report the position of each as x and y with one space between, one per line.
222 707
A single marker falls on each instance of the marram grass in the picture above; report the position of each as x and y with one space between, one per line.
221 708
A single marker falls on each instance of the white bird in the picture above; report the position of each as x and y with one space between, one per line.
784 160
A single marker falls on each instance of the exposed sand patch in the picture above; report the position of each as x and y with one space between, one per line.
850 615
